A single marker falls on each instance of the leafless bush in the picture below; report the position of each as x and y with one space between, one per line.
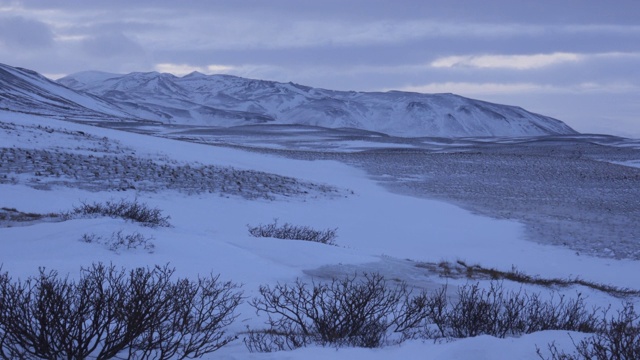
500 313
365 312
351 311
124 209
293 232
617 338
118 241
109 313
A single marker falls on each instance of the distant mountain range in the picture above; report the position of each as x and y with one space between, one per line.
224 100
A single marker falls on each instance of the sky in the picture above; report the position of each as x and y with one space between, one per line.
575 60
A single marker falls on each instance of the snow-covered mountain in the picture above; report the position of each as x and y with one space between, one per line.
26 91
224 100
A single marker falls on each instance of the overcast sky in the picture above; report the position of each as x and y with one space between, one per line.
576 60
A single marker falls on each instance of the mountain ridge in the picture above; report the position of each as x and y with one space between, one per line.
202 99
226 100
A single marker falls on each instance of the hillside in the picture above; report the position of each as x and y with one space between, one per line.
224 100
26 91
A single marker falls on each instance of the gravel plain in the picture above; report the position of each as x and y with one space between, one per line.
562 197
48 157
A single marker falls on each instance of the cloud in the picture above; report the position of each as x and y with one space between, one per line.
184 69
520 62
21 32
257 71
493 88
223 33
527 62
110 45
467 88
177 69
249 31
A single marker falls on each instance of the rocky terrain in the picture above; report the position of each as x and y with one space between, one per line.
102 165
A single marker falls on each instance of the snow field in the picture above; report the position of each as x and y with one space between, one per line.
209 235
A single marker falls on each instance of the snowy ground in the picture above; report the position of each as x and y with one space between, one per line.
577 191
378 229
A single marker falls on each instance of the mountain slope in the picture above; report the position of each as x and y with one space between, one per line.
26 91
163 97
225 100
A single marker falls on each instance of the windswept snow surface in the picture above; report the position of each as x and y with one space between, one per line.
209 232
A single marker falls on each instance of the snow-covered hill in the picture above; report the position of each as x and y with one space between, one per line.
26 91
224 100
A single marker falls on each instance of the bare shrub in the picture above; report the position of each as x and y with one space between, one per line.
617 338
124 209
500 313
119 241
293 232
351 311
365 312
110 313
